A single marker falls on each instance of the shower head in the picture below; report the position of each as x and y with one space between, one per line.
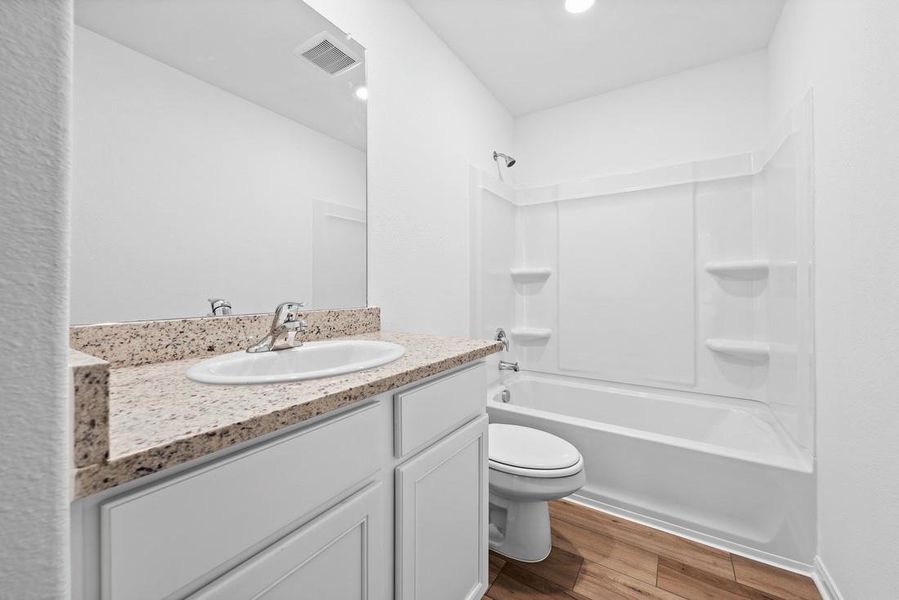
510 162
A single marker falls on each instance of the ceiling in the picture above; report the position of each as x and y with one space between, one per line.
533 55
244 47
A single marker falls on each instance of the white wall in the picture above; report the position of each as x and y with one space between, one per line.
707 112
35 445
429 119
849 52
183 191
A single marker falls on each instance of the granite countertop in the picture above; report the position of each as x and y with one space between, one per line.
158 418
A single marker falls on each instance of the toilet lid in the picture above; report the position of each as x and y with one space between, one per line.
528 448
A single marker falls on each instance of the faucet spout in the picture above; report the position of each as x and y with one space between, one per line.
505 365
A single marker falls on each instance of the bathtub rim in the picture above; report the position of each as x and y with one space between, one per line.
797 460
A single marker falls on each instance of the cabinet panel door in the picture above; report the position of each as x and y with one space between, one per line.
441 519
157 541
338 556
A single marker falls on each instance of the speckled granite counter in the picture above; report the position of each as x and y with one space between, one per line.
158 418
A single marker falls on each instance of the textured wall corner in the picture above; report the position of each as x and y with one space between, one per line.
35 430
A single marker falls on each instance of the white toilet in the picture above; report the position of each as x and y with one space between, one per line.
528 467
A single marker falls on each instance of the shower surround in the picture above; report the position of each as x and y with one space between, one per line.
689 284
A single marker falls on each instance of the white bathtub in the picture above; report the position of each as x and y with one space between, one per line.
717 470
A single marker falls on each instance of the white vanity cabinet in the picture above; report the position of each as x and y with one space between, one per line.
337 556
158 541
441 519
441 491
385 500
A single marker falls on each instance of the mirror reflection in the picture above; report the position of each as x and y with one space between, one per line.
220 153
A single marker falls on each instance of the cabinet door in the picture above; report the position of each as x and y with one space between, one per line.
337 556
441 519
163 540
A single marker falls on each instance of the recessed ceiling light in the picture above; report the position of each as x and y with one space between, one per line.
578 6
362 92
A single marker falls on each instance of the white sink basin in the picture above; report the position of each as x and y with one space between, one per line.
309 361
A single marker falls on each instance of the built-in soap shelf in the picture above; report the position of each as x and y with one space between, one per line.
747 270
746 349
530 334
530 274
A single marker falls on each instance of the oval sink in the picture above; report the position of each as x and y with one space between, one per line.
309 361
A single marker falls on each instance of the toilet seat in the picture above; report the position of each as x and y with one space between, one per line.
530 452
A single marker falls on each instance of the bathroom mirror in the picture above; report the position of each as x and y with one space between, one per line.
219 152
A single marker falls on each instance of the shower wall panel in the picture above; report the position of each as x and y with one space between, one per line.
626 286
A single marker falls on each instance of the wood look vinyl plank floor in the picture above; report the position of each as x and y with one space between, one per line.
598 556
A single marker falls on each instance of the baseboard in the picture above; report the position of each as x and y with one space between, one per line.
780 562
825 582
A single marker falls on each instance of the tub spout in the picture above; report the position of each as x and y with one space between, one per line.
505 365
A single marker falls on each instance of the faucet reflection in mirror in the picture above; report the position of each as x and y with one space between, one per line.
219 307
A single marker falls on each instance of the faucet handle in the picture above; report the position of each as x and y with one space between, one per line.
502 338
288 310
288 313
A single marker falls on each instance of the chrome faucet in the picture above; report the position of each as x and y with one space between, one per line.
505 365
285 327
502 338
220 307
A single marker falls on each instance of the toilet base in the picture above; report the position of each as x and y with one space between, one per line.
520 530
519 507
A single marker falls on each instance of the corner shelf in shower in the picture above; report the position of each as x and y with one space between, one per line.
530 334
746 349
747 270
530 274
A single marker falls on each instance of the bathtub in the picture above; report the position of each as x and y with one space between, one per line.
717 470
